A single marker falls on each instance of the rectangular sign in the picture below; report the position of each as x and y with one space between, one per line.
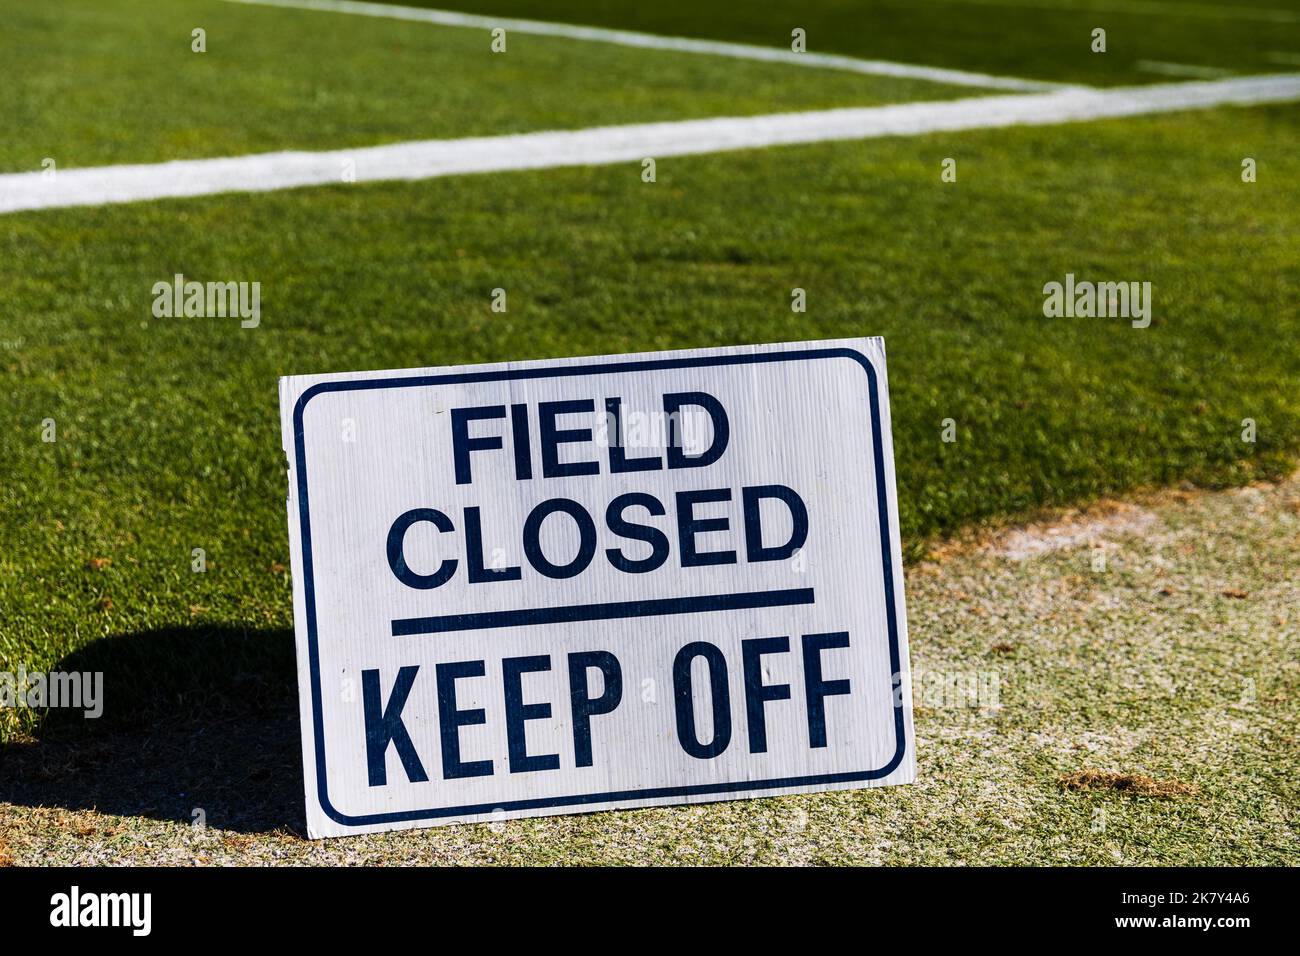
626 581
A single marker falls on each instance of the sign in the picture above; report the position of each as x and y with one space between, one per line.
571 585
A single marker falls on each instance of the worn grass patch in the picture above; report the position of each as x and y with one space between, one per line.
1127 783
1144 666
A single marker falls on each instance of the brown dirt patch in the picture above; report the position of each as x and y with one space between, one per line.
1134 783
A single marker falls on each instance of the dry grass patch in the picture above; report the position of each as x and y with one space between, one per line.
1134 783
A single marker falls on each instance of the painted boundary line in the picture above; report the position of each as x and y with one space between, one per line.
1190 70
651 41
428 159
1219 11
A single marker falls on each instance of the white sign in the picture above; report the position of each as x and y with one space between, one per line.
561 586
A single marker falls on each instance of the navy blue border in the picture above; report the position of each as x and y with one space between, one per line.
576 800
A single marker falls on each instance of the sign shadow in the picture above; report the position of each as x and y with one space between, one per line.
199 725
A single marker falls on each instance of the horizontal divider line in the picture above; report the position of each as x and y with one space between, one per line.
555 149
743 600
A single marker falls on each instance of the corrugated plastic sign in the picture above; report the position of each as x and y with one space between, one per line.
560 586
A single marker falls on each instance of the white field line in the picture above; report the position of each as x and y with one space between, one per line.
1165 68
651 41
427 159
1167 11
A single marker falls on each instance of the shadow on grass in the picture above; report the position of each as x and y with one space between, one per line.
194 718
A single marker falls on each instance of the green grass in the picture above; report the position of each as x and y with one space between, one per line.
168 430
1144 668
168 435
292 79
1039 39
